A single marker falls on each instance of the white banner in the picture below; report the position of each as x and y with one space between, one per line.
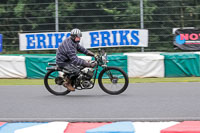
90 39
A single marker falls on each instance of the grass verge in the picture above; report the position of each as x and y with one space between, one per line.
131 80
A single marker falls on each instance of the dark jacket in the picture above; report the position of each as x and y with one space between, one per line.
66 53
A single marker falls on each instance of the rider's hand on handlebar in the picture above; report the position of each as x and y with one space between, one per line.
95 56
92 65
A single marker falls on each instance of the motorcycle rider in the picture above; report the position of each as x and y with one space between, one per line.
67 59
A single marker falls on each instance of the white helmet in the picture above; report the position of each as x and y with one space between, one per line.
76 33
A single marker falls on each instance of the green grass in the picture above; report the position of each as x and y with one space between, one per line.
131 80
155 80
21 82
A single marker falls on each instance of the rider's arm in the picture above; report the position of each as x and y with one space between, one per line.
71 53
90 53
81 49
84 51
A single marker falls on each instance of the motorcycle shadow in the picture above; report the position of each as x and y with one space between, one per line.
87 95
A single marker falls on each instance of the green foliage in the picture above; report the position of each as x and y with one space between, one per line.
17 16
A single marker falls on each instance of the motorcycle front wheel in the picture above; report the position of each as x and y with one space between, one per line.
53 82
113 80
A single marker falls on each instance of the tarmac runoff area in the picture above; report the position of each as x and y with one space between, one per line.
177 109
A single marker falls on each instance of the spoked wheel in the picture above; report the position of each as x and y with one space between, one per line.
113 80
53 82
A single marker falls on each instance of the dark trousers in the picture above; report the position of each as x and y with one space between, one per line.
70 69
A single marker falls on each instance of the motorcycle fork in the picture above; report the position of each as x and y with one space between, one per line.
109 74
95 76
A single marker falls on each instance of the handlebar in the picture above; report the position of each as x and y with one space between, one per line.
101 58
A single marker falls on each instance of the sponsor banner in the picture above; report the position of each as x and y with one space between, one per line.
187 39
90 39
1 45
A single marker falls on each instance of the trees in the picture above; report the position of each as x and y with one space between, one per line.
17 16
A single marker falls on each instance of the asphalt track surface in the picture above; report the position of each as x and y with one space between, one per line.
140 102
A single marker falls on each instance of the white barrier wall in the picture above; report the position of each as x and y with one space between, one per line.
145 65
12 67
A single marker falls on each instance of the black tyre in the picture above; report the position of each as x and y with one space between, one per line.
113 80
53 83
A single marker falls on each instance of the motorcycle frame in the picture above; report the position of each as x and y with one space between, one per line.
95 75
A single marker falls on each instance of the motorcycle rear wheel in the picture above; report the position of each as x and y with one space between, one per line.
53 82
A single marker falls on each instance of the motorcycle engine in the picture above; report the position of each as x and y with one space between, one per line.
84 79
86 84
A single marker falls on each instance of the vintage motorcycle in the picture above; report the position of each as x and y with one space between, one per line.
112 80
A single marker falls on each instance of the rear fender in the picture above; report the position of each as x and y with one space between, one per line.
53 68
52 64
